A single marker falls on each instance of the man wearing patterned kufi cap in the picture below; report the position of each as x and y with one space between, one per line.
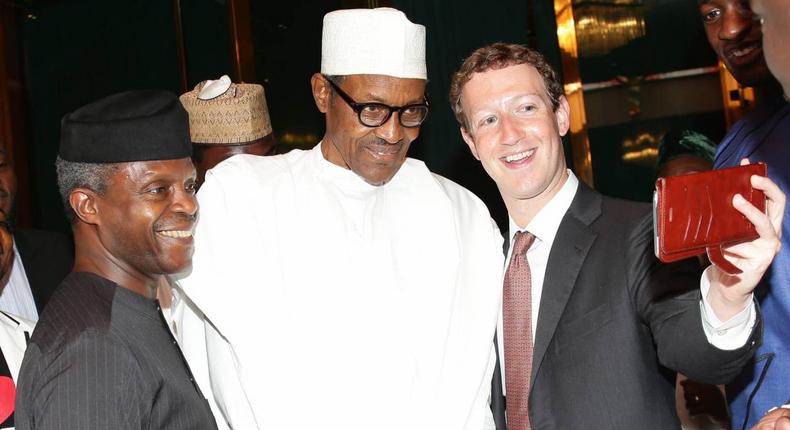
352 288
226 119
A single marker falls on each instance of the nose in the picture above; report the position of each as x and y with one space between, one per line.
185 202
391 131
736 22
511 132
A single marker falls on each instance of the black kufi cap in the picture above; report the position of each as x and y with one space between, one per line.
140 125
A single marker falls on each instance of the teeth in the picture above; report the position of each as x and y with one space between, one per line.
176 233
742 52
520 156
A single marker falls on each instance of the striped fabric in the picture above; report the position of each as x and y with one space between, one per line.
101 357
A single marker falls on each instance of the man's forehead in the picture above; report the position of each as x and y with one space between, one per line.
381 86
152 168
515 77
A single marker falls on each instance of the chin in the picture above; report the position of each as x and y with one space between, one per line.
176 265
376 179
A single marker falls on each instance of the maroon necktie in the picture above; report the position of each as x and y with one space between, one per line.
517 322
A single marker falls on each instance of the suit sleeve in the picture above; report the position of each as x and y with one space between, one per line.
93 384
667 297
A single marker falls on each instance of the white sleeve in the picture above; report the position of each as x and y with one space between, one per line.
726 335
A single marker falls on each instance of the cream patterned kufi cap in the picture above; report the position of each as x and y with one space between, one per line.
221 112
372 41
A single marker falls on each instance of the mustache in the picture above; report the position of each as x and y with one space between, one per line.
374 140
177 221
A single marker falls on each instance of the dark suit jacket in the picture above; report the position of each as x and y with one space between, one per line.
611 319
48 257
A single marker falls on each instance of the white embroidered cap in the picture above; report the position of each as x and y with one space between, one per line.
378 41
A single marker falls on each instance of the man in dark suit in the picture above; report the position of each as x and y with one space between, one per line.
610 319
102 355
42 259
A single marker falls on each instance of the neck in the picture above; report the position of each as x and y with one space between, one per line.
523 211
88 257
767 92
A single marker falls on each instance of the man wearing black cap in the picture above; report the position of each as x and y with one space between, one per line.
101 356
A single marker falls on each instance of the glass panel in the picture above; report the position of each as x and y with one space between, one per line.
646 68
287 41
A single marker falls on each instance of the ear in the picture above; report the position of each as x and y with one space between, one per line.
83 203
321 92
563 115
470 142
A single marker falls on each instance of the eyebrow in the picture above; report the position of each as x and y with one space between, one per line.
376 99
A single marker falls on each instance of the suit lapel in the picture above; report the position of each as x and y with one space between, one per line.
568 252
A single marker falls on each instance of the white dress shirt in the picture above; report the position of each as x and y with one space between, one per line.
727 335
16 297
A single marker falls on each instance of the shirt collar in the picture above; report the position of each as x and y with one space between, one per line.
547 221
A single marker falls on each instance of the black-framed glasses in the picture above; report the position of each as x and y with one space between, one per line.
376 114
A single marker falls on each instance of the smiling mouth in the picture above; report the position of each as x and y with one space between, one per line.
519 156
175 234
385 151
743 52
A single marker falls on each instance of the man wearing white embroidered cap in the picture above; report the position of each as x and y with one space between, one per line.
352 288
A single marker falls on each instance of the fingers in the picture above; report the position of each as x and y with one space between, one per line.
776 200
762 224
778 419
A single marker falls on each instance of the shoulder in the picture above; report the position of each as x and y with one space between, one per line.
414 173
246 166
82 303
624 210
236 179
93 373
49 241
592 207
462 198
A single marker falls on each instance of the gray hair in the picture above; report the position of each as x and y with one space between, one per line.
72 175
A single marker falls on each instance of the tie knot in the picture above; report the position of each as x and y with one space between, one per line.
522 242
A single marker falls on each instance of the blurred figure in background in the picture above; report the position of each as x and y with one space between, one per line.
774 17
39 259
734 32
226 119
700 406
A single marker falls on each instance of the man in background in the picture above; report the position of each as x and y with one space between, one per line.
762 135
774 17
226 119
40 261
700 406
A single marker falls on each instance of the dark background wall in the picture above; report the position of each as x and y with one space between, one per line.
76 51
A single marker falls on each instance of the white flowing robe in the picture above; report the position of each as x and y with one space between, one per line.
335 304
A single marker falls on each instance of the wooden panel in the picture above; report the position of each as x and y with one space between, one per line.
580 142
243 56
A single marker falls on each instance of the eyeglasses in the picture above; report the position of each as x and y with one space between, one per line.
376 114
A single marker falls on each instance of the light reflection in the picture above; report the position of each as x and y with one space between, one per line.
600 28
642 150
